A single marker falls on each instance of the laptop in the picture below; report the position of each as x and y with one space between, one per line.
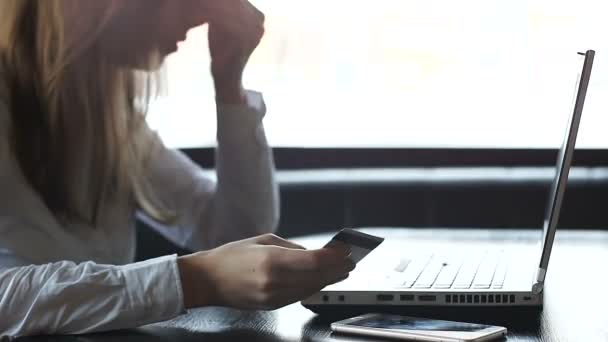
496 277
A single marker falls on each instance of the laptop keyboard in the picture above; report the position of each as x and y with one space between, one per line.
482 271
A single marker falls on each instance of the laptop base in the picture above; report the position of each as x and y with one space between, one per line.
516 316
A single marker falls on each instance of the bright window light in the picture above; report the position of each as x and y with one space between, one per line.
406 73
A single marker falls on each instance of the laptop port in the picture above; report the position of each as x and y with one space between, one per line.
455 298
385 297
505 298
462 300
498 299
341 298
484 298
476 299
469 298
490 298
427 298
527 298
512 298
406 298
326 298
448 298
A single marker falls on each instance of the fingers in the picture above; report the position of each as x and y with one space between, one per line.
260 14
313 279
294 289
291 274
240 16
239 29
273 240
236 29
334 252
339 279
339 245
254 10
330 260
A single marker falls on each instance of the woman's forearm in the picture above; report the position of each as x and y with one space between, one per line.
241 201
68 298
247 196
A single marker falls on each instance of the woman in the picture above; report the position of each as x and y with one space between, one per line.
77 162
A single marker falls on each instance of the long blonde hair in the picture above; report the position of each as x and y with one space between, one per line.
70 106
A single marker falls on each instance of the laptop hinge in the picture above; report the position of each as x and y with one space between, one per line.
539 281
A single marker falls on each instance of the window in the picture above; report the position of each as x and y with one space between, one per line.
406 73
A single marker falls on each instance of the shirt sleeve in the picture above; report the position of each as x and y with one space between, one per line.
238 201
69 298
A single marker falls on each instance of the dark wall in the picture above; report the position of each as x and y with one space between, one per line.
325 200
444 197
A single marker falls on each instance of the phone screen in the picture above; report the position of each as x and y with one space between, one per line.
417 324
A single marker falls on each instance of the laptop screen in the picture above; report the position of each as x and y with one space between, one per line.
564 160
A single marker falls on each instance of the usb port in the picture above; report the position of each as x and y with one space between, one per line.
385 297
427 298
406 298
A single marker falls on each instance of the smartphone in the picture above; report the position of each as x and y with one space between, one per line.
417 329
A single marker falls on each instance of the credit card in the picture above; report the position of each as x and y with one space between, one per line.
360 244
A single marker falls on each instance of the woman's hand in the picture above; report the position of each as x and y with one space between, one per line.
236 28
262 273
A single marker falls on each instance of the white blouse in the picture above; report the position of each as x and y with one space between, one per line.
72 279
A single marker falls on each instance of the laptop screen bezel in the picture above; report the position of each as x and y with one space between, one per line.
564 160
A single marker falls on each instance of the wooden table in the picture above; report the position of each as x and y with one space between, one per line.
576 298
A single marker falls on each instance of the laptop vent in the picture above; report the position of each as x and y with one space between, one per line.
489 299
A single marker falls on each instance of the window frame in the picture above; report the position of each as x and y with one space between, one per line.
330 158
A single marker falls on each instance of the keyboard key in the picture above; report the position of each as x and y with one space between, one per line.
485 273
402 265
430 273
408 277
467 272
448 274
392 276
500 275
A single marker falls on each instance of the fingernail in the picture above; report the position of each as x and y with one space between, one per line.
352 265
339 246
337 280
